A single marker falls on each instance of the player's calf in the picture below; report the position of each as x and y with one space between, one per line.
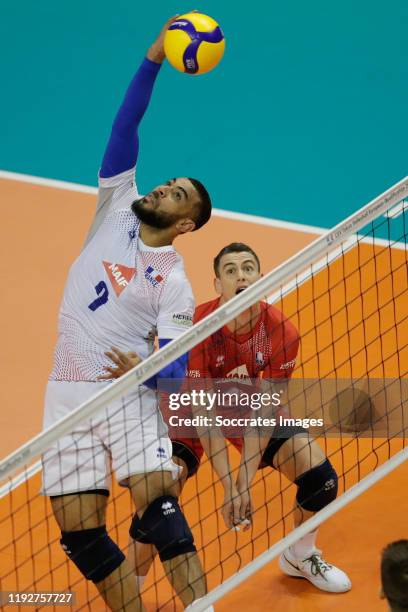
316 488
164 525
100 560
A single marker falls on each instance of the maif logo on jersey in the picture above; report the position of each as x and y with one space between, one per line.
153 276
239 372
119 275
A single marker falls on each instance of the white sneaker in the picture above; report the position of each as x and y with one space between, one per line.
315 569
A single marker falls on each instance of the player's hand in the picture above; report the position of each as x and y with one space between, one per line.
245 510
231 508
123 363
156 51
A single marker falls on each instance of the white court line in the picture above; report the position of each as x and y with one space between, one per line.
45 182
218 212
289 225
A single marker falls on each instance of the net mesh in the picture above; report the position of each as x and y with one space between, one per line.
350 309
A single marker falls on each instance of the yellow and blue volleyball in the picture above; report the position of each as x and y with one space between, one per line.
194 43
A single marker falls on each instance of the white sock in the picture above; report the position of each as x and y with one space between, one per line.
209 609
140 581
305 546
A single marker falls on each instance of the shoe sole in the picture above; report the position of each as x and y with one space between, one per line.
289 570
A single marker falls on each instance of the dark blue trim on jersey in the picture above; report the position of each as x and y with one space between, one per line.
123 146
176 369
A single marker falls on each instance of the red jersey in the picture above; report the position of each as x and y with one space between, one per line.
268 350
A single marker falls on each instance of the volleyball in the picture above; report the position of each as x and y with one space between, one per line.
194 43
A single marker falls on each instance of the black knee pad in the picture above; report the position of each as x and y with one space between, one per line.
93 552
317 487
136 531
164 525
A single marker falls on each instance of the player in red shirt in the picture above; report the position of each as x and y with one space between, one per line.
256 350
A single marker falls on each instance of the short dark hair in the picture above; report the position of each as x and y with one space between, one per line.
394 574
234 247
204 206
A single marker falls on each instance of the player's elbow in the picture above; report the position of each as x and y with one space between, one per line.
176 370
170 378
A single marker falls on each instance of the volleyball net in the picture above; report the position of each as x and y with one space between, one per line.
347 295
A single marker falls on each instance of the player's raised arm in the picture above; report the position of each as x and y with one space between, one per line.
123 146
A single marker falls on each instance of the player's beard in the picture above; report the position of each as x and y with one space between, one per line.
149 216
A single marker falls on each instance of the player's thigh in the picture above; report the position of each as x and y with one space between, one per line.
140 557
78 461
187 452
179 483
147 487
136 436
297 455
79 511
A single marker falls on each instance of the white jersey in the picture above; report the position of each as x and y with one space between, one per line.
119 292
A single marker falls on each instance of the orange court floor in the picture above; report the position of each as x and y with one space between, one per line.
42 231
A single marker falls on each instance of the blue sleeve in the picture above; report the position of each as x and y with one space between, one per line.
176 369
123 146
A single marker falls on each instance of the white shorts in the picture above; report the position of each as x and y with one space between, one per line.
127 437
